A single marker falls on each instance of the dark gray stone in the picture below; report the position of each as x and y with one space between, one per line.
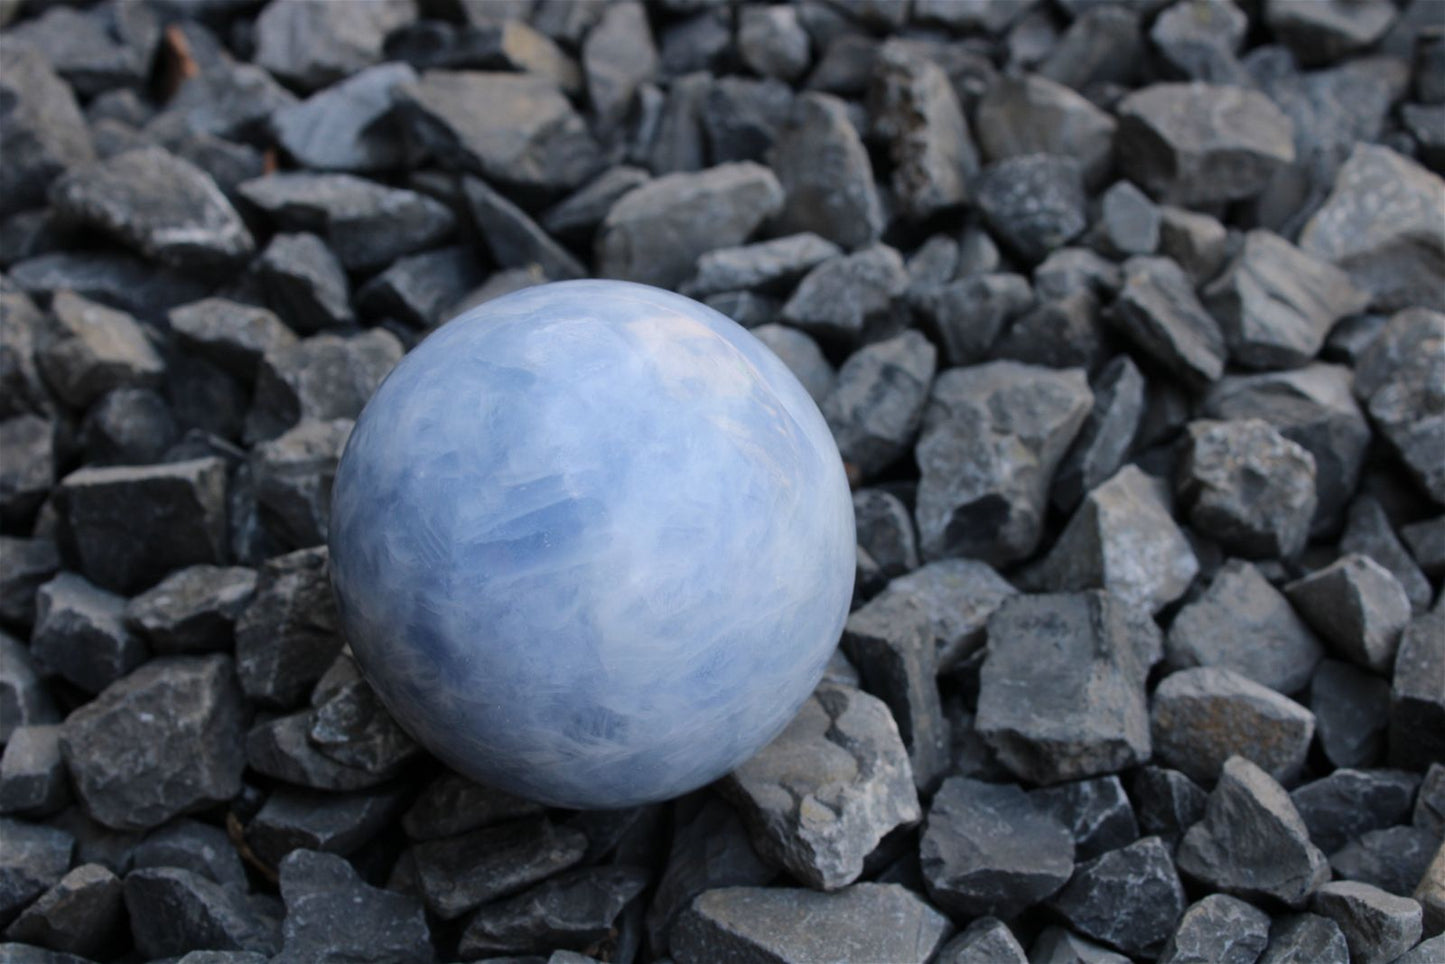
24 700
1379 224
91 349
1242 623
349 126
772 42
1323 32
885 531
985 941
1426 540
287 636
708 851
825 173
25 565
1252 843
915 110
1275 303
1247 487
1033 203
1129 222
697 43
1429 811
747 308
1417 698
421 289
1097 813
1369 533
513 238
1123 539
352 727
1312 407
485 43
1129 898
992 436
529 138
1348 803
282 748
193 610
80 635
1068 270
1393 859
741 118
1203 717
292 475
456 874
968 314
839 300
958 596
1167 803
33 858
1306 939
1357 607
1033 115
194 846
864 922
173 911
1158 311
83 914
802 356
1431 949
452 804
1099 449
22 329
1397 378
1201 38
333 917
112 277
1197 242
575 216
1218 930
987 849
656 233
617 57
129 426
310 47
1052 717
1063 333
877 403
1431 894
576 909
164 207
841 753
132 525
365 224
1378 926
308 820
891 644
29 470
33 778
42 127
1055 945
769 266
163 741
1103 45
323 377
305 283
1197 144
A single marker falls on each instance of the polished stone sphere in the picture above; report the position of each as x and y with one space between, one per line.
592 543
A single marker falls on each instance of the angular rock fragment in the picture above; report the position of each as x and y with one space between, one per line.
173 911
43 129
1218 928
1394 859
163 741
79 634
985 941
162 206
802 356
25 565
109 276
968 314
130 426
1252 843
305 283
1158 311
764 266
1349 803
1122 538
826 176
1324 32
530 137
828 789
352 727
1247 487
916 111
575 909
348 126
1061 690
1068 270
772 42
1352 711
1203 717
1167 802
1357 606
1103 45
1196 144
233 335
1033 115
83 914
323 377
877 403
191 845
987 849
92 349
1129 898
958 596
1378 926
192 610
841 298
1032 203
365 224
311 47
864 922
992 437
24 700
1381 224
1398 379
29 471
456 874
1369 533
1129 222
452 804
617 57
308 820
332 916
1242 623
133 525
1431 893
575 216
513 238
282 748
1417 698
292 475
656 233
1096 811
1056 945
1195 241
33 778
422 289
1306 939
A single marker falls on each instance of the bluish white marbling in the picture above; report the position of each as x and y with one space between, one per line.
592 543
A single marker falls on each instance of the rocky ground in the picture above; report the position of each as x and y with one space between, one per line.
1126 316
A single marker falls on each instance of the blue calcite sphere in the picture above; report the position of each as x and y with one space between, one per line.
592 543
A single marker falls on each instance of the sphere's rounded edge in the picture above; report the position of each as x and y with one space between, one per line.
568 792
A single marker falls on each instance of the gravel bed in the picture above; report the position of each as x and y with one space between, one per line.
1129 321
